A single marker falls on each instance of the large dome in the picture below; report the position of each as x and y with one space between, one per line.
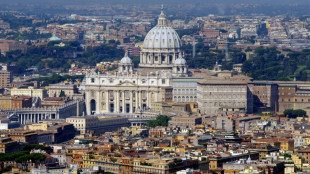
161 47
162 37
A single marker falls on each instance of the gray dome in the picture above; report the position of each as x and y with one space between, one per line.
126 59
180 61
162 36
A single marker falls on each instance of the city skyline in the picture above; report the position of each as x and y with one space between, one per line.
131 87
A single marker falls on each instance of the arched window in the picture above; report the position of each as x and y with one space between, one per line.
92 106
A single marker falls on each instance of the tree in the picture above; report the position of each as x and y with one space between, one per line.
290 113
37 157
30 147
161 120
299 113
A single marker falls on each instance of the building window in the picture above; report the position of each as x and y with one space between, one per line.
93 80
163 81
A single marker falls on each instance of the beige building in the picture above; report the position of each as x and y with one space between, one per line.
10 45
6 79
39 126
265 96
5 102
294 96
223 97
7 145
237 67
30 91
98 125
127 165
188 121
69 89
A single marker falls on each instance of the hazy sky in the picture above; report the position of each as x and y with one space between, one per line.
150 1
194 7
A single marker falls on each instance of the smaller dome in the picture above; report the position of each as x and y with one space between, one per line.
126 59
54 38
180 61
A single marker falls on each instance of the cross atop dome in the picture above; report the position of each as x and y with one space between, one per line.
162 17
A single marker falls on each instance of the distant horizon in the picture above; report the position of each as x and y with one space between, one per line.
188 7
157 1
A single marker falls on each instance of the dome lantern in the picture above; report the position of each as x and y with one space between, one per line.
162 18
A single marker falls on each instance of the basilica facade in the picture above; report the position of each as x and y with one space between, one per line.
130 90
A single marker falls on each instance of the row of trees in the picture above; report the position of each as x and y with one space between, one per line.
291 113
24 154
265 64
56 78
269 64
206 58
55 57
161 120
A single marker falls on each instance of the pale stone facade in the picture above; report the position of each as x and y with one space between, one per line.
68 89
218 97
121 93
185 89
93 123
30 91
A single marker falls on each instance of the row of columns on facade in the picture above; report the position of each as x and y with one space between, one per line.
180 69
145 58
32 118
117 97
